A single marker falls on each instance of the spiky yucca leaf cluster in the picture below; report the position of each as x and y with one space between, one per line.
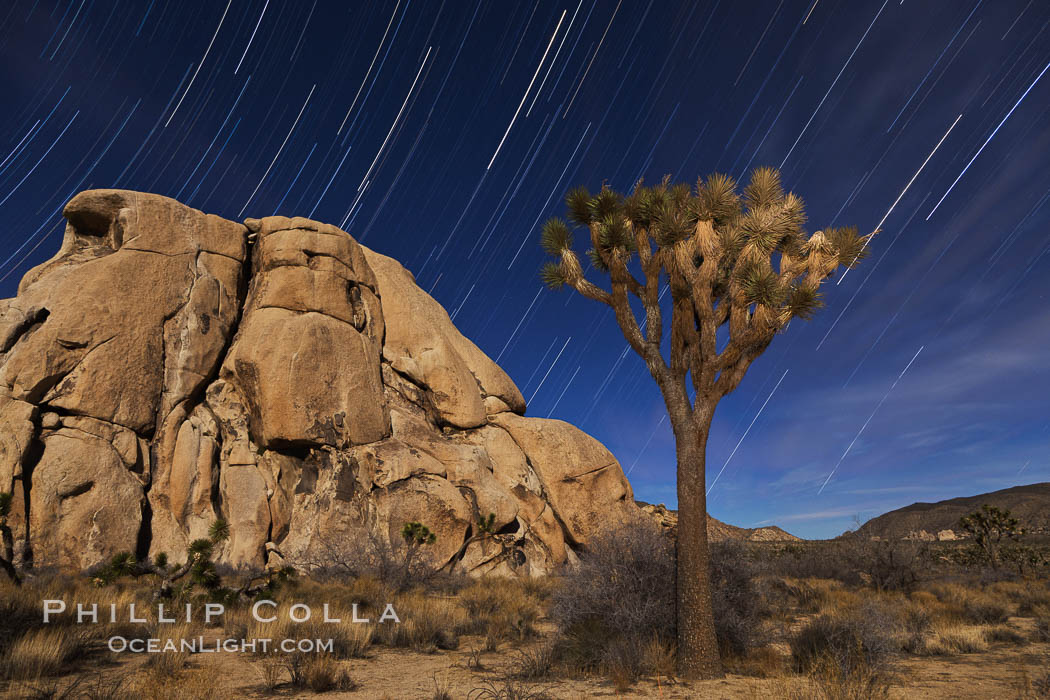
749 249
418 534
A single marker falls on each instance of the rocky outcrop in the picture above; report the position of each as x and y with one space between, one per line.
717 531
169 367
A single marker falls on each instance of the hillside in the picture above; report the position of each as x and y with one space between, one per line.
718 531
940 520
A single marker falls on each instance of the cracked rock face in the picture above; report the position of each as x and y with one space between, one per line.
169 367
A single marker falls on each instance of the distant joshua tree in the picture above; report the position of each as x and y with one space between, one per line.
738 269
992 529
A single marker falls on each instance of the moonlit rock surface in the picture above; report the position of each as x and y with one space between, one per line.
169 367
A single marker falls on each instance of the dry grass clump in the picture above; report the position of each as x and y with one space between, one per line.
170 664
349 640
947 638
763 662
972 605
1027 596
827 680
427 623
810 595
502 609
320 673
1004 634
534 664
39 652
1041 633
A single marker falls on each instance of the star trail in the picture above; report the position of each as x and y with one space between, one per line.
444 133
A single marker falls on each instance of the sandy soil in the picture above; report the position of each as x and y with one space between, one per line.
407 675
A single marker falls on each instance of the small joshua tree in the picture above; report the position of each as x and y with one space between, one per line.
989 527
738 270
199 567
7 542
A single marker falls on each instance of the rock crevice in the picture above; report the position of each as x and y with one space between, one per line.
278 375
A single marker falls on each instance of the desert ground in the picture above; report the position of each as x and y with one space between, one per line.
794 621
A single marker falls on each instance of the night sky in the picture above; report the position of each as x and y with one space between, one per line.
445 133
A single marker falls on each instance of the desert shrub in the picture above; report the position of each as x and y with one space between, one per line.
821 560
735 597
856 560
620 596
402 563
620 601
867 636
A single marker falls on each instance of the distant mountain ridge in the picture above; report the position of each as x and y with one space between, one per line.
718 531
940 520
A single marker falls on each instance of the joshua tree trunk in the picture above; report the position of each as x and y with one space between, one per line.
697 647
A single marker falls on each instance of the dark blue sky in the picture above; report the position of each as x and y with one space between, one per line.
444 133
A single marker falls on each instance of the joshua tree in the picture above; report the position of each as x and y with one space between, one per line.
738 269
198 566
988 527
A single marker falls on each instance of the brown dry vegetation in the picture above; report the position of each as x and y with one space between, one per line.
602 631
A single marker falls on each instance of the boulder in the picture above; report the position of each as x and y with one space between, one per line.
582 480
168 368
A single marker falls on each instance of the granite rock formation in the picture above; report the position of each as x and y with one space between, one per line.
169 367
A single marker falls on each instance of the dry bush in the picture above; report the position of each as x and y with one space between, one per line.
738 607
658 657
1028 597
272 666
442 688
619 597
855 560
865 636
402 564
